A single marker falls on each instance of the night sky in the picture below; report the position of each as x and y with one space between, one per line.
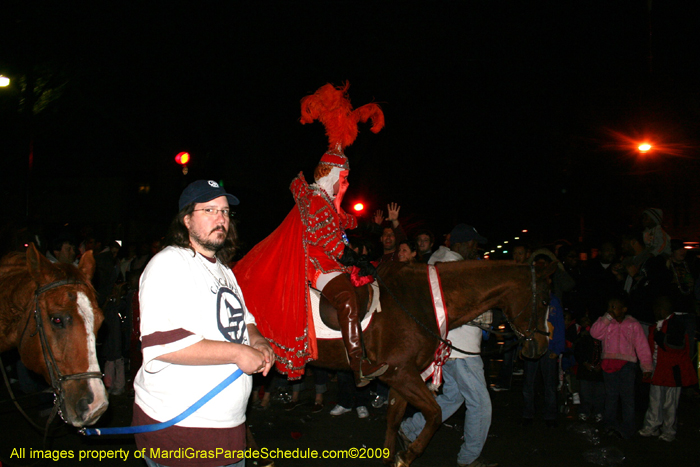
504 115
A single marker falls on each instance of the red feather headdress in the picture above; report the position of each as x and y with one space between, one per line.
331 106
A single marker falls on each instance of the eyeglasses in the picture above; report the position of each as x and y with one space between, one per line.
213 212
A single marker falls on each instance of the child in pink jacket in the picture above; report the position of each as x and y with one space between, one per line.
623 343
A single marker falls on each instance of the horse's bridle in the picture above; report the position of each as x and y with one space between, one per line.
57 378
532 328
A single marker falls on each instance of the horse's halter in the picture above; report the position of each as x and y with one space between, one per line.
57 378
532 328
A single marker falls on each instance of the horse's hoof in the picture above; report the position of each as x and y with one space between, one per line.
399 461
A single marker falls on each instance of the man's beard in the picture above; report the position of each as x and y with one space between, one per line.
211 245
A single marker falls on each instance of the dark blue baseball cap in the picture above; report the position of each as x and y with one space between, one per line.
202 191
464 233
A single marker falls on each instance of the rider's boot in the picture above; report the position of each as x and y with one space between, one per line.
341 293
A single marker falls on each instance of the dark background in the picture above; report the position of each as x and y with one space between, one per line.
504 115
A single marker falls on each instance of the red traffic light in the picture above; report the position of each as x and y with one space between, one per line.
182 158
358 207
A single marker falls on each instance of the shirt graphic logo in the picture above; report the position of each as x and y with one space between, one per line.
229 312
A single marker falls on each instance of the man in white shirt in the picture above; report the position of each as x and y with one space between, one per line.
195 332
463 372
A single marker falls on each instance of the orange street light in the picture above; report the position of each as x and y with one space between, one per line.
644 148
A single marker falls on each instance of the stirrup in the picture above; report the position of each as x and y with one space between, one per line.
362 379
378 372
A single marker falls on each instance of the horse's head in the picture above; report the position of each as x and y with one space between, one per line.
536 334
58 340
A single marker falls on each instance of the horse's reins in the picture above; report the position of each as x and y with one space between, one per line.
130 430
57 378
532 328
531 332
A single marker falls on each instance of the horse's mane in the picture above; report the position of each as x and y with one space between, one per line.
390 267
485 273
12 261
477 276
393 267
15 263
486 264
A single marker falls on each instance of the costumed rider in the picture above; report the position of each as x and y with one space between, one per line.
329 252
310 248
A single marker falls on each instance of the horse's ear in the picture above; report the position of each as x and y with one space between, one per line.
35 262
87 264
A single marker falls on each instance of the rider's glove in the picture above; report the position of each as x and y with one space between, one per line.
351 258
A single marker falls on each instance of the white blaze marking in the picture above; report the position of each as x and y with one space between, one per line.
88 315
96 385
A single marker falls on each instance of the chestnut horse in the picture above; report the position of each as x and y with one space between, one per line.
470 288
49 313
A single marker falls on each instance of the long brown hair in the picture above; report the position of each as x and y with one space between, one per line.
178 235
321 171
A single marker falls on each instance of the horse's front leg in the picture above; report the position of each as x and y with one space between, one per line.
412 390
394 415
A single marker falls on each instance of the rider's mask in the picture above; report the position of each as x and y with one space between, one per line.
335 183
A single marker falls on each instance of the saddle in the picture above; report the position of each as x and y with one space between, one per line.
326 316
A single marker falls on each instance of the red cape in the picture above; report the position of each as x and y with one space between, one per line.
273 279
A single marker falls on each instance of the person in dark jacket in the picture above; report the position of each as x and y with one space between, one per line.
587 352
548 363
672 370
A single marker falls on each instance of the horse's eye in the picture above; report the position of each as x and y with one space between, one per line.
58 321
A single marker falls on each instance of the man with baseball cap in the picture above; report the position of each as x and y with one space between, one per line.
465 382
462 243
196 331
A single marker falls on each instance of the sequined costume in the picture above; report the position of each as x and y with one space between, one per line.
308 243
306 248
325 228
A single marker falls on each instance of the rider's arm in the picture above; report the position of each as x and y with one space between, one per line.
347 220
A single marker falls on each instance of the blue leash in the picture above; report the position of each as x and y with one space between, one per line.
129 430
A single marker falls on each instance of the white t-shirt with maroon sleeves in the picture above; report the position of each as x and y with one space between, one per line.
185 298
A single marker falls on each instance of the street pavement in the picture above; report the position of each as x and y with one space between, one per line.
298 432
